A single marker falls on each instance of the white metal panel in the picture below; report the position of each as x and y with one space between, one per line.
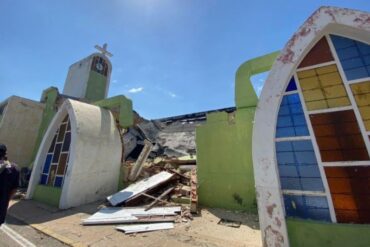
123 215
139 187
145 227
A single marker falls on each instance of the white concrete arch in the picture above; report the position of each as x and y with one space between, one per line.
345 22
95 154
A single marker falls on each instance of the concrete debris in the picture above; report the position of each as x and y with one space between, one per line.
159 168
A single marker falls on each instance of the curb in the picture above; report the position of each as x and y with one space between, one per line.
50 233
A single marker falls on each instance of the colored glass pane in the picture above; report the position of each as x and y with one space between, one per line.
323 88
298 167
291 86
291 120
338 136
354 57
57 158
44 179
307 207
62 163
58 181
320 53
62 131
67 142
361 93
350 192
47 163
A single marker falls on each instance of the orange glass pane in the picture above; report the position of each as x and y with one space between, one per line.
338 136
350 192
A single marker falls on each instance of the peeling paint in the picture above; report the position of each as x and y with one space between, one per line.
273 237
270 209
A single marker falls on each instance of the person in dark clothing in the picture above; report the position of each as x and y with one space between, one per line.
9 180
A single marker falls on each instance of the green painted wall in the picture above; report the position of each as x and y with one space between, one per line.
224 146
47 194
49 98
225 172
306 233
121 105
96 87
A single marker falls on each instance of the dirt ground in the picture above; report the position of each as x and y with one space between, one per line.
203 230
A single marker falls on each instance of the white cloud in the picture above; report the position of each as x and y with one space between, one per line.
172 95
136 90
114 81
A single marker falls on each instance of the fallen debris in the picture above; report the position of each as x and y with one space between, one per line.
138 188
159 198
117 215
193 193
136 170
145 227
229 223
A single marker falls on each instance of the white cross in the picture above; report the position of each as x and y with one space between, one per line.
104 50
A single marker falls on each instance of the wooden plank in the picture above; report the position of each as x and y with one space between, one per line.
138 188
159 198
153 197
145 227
136 169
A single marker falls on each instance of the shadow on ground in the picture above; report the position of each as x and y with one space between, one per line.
248 219
32 212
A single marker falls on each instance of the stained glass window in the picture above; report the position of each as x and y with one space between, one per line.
291 120
307 207
298 167
56 160
350 191
338 136
323 88
323 161
361 92
354 57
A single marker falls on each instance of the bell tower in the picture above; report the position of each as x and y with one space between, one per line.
88 79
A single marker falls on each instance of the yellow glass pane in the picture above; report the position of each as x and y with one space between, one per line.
365 112
330 79
335 92
326 69
362 99
361 88
312 95
338 102
367 125
316 105
309 83
306 73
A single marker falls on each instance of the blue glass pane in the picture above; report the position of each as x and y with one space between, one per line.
354 57
58 181
47 163
291 86
44 179
307 207
298 169
291 120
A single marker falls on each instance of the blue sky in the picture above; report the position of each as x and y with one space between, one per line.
170 57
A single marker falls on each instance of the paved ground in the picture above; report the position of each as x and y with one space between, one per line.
203 231
15 233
